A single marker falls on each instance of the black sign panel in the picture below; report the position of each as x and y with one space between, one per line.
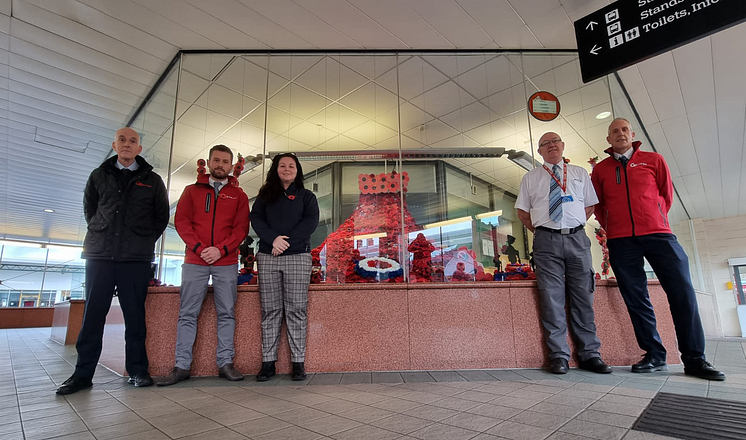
629 31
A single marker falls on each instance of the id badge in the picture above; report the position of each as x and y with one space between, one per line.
567 199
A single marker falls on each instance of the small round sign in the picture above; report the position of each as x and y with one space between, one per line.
544 106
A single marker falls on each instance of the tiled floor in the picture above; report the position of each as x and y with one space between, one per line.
448 405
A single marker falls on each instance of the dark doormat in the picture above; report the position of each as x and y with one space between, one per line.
696 418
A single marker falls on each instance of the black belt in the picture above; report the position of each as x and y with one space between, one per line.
563 231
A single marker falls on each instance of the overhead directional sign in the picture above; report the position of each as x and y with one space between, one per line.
629 31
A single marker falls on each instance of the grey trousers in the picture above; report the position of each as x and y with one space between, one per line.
283 286
564 269
194 278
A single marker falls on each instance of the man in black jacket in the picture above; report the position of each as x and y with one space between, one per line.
126 207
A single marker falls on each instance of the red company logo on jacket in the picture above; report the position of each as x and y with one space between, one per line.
138 183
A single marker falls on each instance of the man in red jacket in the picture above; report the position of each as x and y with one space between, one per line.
635 194
212 218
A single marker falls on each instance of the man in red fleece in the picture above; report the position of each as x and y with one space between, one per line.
635 194
212 218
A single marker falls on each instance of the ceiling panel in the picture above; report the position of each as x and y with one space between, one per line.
501 22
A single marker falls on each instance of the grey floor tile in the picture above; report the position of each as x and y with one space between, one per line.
366 414
454 403
519 431
617 408
740 397
515 402
542 420
416 377
494 411
365 398
423 397
260 426
477 375
353 378
506 375
386 377
330 425
337 406
559 435
431 412
326 379
439 431
594 430
625 400
367 432
447 376
396 405
10 428
401 423
476 396
190 428
606 418
300 415
473 422
290 433
220 433
45 432
229 414
112 419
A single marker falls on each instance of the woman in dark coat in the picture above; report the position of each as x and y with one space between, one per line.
284 216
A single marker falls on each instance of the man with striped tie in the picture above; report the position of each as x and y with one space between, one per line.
554 203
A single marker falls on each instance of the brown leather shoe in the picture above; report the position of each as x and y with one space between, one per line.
229 372
175 376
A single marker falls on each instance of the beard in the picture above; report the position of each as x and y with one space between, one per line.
218 173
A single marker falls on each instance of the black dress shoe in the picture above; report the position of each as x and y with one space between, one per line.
229 372
299 371
175 376
267 371
649 364
558 366
596 365
703 369
73 385
141 380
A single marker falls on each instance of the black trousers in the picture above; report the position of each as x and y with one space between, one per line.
131 281
671 266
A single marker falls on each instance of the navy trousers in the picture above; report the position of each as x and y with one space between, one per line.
131 281
671 266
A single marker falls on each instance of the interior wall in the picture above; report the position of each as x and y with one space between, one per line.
717 241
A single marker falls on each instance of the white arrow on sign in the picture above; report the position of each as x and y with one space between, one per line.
591 24
595 50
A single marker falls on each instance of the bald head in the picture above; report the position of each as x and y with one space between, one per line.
128 132
127 145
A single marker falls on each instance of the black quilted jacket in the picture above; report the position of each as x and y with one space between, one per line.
125 216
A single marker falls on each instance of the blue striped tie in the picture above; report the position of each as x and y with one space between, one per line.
555 197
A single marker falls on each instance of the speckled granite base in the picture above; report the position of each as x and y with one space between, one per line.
371 327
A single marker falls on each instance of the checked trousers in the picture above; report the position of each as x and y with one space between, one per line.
283 288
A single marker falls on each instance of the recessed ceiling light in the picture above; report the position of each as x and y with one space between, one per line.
49 210
603 115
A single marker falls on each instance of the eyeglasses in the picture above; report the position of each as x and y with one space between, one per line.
547 143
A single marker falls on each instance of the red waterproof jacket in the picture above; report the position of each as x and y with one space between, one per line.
203 221
634 200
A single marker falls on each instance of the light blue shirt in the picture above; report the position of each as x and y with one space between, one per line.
133 166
